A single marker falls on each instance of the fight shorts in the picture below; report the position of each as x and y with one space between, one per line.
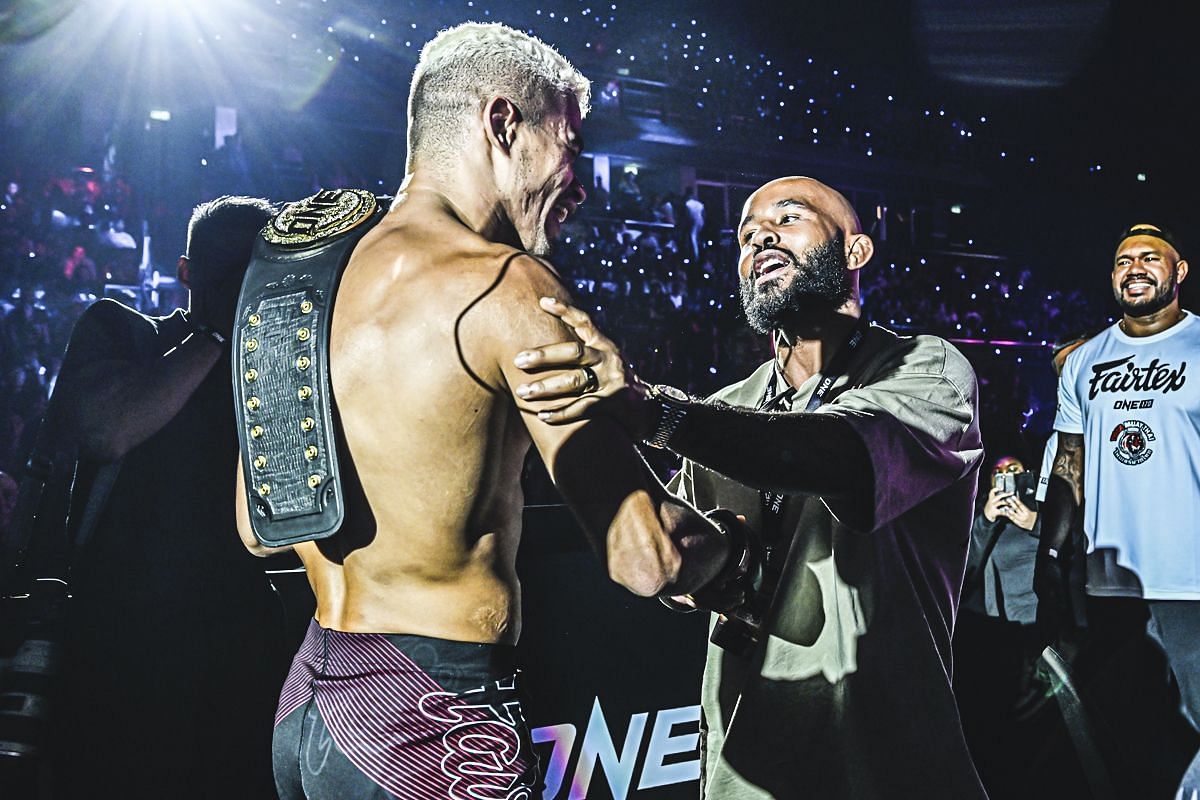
370 715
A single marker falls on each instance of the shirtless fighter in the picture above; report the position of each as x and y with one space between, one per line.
405 684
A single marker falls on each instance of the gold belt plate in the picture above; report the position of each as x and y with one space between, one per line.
327 214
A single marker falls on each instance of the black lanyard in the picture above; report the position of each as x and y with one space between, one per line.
773 502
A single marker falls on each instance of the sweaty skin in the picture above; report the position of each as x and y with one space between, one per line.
428 315
437 450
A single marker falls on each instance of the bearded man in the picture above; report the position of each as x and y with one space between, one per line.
1127 400
854 454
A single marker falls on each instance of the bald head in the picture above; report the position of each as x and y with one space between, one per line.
801 247
798 190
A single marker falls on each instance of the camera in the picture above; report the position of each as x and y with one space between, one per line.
738 631
741 591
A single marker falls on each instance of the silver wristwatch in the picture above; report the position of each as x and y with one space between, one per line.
673 408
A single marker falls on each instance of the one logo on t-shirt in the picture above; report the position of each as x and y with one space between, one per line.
1133 438
1108 376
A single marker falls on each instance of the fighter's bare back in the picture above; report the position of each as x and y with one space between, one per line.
426 320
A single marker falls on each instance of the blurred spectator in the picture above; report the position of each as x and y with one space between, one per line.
115 236
695 210
1002 691
629 195
1004 546
598 197
78 268
663 210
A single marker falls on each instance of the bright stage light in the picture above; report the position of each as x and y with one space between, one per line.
159 5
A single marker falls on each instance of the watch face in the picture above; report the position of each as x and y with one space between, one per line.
671 393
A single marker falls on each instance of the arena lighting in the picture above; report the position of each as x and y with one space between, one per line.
956 208
167 6
160 114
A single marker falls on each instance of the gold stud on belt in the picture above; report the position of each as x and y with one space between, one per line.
257 431
253 403
265 489
251 375
255 320
304 393
314 481
251 345
260 462
311 452
307 424
306 306
303 363
303 334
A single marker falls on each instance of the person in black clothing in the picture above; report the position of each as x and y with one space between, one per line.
174 649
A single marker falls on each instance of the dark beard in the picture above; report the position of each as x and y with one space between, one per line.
821 284
1163 296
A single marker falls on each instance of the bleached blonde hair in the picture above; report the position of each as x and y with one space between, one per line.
462 67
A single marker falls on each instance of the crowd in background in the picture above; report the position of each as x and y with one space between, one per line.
63 238
665 285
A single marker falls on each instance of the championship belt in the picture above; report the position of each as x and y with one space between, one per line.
284 405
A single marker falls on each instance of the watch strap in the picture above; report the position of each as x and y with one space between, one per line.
671 414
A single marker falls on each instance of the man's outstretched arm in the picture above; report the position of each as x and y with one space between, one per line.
818 454
796 452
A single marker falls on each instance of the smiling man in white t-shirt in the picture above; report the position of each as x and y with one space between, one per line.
1130 399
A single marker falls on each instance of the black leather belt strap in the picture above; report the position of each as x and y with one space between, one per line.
281 386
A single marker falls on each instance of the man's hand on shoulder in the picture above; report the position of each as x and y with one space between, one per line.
585 378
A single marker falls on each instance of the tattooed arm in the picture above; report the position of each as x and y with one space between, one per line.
1064 496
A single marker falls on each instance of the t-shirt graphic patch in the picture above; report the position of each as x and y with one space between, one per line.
1133 438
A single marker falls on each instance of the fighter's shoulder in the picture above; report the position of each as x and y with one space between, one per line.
521 273
108 319
509 281
107 311
506 284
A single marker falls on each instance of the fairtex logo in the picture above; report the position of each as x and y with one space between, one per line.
1109 377
1133 438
